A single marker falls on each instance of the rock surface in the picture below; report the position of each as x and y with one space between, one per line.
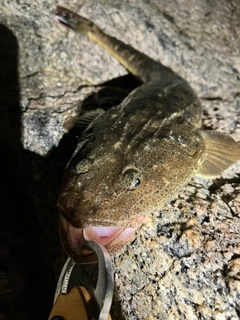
185 261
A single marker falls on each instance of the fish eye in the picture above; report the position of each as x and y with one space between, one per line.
138 183
83 166
131 179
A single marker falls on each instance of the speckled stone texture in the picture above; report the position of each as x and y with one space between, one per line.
185 261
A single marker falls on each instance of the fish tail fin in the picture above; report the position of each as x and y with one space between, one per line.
137 63
75 22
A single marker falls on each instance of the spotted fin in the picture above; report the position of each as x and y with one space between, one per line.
221 150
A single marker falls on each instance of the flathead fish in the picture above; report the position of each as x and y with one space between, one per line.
133 158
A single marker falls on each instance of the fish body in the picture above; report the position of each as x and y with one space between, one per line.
134 157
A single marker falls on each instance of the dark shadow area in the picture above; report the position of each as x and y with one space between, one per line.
31 255
30 247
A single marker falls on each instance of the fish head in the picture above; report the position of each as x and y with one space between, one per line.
109 189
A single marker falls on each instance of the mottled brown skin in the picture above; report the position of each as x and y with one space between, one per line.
133 158
160 146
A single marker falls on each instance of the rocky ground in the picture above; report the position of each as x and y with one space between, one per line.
185 261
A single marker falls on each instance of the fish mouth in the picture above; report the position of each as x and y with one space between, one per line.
111 237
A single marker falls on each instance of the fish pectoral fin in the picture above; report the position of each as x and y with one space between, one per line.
83 120
221 152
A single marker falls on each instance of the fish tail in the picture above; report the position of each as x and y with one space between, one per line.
137 63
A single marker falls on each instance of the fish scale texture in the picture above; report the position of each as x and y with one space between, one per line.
185 261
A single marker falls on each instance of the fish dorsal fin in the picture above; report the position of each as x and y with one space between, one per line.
221 152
